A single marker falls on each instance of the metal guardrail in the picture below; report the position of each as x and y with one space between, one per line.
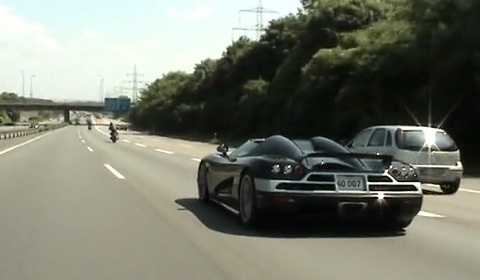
104 124
20 133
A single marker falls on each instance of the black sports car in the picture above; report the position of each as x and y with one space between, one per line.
310 176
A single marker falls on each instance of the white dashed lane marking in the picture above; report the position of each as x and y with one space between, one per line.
164 151
90 149
114 172
140 145
429 215
469 191
196 159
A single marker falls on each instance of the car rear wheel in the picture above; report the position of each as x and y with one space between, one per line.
202 183
450 188
249 214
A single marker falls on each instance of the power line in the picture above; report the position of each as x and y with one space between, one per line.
31 86
23 83
134 82
259 10
101 88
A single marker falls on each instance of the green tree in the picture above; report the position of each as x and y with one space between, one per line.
332 68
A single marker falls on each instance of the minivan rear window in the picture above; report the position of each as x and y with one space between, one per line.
415 140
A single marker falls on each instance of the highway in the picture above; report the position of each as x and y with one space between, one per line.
73 205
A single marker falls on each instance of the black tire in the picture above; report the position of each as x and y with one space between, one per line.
248 212
202 183
450 188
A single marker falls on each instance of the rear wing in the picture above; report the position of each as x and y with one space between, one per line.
386 159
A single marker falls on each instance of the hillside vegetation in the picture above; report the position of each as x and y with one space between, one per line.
9 116
331 69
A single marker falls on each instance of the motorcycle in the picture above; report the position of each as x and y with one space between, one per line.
114 136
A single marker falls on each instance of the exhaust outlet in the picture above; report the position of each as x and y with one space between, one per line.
352 208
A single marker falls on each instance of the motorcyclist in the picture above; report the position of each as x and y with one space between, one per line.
113 129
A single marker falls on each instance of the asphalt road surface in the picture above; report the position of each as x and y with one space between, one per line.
73 205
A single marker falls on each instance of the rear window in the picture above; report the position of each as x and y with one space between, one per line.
320 144
416 140
244 149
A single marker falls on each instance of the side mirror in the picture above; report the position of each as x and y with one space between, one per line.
223 149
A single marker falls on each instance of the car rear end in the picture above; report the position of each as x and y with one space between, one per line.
332 191
432 152
122 126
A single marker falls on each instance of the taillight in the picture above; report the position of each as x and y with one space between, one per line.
298 170
288 169
402 172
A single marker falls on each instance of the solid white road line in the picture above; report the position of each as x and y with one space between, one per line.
196 159
23 144
470 191
430 215
114 172
140 145
90 149
96 128
164 151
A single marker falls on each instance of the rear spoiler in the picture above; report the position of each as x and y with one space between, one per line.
385 158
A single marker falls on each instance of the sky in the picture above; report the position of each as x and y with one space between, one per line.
68 46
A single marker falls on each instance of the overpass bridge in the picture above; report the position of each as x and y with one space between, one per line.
65 107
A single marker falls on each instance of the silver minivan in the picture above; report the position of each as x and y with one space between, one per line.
431 151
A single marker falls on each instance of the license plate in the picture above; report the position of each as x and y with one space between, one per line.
351 183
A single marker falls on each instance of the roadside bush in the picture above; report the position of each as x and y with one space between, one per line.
331 69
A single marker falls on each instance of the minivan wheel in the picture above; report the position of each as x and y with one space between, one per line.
450 188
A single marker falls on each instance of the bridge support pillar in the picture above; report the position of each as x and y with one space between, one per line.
66 116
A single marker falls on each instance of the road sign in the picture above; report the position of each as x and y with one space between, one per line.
117 105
